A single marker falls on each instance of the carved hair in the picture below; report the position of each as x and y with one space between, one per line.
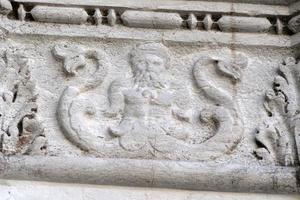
157 49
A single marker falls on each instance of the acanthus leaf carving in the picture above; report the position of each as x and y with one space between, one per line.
277 137
21 131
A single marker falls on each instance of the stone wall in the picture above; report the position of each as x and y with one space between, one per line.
195 95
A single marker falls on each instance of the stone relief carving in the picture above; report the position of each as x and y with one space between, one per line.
149 123
150 108
21 131
278 136
74 58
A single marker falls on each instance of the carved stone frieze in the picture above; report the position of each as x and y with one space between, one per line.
200 95
150 124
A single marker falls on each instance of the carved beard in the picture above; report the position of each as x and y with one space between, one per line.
148 79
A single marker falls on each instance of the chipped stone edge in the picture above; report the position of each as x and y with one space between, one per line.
152 173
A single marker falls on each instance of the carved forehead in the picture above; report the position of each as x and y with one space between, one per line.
157 49
152 57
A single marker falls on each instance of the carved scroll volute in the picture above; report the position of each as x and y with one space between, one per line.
74 57
278 134
21 131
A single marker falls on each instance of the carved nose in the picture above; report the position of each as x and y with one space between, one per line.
149 66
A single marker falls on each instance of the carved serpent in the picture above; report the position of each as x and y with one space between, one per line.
224 113
74 59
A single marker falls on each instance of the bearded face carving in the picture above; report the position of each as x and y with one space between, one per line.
149 63
148 109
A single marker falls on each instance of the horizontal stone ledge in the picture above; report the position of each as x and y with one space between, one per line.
266 2
151 173
151 19
121 32
269 2
169 5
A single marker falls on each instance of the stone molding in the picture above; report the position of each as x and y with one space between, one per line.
151 173
268 21
213 17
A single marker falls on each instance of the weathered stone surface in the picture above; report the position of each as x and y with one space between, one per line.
170 94
180 5
146 19
112 17
294 7
208 22
59 14
21 13
294 24
98 16
192 21
5 7
26 190
279 26
244 24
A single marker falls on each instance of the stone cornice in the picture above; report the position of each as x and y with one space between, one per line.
118 32
195 21
266 2
168 5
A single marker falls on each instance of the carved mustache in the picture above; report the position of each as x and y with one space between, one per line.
150 79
